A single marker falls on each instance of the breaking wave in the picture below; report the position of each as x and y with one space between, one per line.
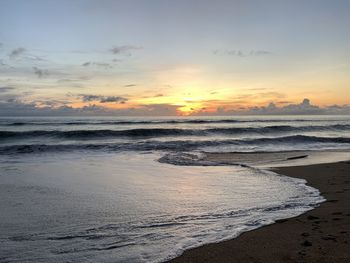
151 122
156 145
161 132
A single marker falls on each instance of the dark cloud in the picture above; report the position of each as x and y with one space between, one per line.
303 108
241 53
124 50
40 72
153 96
97 64
102 99
11 106
6 89
130 85
8 97
18 108
115 99
88 97
17 52
23 54
284 102
51 103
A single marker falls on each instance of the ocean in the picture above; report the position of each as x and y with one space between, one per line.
113 189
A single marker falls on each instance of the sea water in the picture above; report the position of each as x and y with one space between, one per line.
93 189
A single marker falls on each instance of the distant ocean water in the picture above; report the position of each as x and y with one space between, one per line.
34 135
93 190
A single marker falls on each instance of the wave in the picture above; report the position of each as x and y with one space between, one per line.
161 132
117 122
155 145
95 134
280 128
151 122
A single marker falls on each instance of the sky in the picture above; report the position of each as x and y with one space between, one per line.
184 57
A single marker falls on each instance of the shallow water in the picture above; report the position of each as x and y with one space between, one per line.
131 208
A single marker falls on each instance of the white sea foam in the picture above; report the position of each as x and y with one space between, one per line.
131 208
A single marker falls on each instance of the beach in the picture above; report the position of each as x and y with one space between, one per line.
320 235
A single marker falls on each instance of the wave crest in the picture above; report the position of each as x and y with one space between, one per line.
161 132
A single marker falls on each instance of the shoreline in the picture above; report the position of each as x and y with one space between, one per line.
319 235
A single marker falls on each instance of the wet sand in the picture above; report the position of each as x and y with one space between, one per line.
320 235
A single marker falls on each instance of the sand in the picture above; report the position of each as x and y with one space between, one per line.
320 235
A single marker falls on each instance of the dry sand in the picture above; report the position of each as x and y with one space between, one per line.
320 235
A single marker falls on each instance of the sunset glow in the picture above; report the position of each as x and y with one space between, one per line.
192 64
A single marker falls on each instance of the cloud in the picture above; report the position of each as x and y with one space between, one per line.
102 99
23 54
18 108
16 52
51 103
88 97
271 94
284 102
103 65
34 58
74 83
40 72
161 110
8 97
241 53
67 80
303 108
115 99
6 89
97 64
12 106
130 85
124 50
258 95
255 89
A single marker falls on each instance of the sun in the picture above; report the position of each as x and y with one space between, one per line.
189 108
